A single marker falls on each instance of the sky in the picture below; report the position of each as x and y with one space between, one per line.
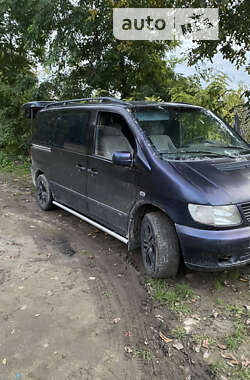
236 77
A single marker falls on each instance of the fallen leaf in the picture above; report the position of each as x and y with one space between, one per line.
228 356
221 346
164 338
159 317
128 349
178 346
205 344
197 348
116 320
245 363
206 354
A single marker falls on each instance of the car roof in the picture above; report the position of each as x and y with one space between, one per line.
96 103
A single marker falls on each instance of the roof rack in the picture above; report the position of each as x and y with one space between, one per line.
101 99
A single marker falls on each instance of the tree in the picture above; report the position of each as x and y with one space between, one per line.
234 31
216 95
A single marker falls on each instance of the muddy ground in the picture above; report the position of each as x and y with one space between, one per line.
74 304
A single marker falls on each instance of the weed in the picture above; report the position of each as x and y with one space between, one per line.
144 355
85 252
106 293
233 341
219 301
199 339
216 368
179 332
235 310
241 374
14 164
218 285
174 297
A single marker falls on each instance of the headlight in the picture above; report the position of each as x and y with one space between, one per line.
222 216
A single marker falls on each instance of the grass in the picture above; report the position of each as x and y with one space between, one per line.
235 310
199 339
218 284
233 341
19 165
144 355
219 301
175 297
237 373
241 374
179 332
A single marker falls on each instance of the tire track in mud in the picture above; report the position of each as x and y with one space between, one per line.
125 303
115 296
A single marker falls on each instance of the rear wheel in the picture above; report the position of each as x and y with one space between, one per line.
159 245
43 193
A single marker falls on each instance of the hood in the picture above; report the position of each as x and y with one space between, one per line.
222 181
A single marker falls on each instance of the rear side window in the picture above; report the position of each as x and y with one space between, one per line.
43 128
72 130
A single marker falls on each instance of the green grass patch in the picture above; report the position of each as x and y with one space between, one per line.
235 310
233 341
19 165
144 355
179 332
174 297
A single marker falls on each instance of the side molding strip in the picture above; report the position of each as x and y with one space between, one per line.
90 221
40 147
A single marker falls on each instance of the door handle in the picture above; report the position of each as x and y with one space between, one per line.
80 168
92 171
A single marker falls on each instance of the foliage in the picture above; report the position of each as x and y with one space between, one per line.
14 129
216 95
234 31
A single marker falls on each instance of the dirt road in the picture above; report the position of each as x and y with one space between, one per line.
73 304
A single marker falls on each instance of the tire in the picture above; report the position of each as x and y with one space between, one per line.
43 193
159 245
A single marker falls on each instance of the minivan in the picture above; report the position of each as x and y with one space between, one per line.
170 178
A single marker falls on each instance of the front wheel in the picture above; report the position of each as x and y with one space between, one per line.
43 193
159 245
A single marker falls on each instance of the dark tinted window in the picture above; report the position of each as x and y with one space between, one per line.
43 128
72 130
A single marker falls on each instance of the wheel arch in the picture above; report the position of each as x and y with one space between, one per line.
135 219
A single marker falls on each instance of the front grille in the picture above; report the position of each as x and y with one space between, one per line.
246 210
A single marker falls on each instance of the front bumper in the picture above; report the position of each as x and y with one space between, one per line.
213 250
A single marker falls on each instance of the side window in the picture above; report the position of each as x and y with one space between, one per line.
112 135
43 128
72 130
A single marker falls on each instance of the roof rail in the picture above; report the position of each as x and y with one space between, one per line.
101 99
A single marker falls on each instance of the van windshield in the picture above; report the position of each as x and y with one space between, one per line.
188 133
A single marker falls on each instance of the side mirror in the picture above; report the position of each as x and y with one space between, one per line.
122 159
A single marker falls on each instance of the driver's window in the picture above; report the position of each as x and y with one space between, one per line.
112 135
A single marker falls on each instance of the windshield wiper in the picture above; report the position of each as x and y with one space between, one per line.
216 154
235 147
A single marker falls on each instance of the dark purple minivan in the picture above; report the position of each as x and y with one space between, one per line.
171 178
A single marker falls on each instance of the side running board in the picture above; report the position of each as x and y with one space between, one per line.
90 221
